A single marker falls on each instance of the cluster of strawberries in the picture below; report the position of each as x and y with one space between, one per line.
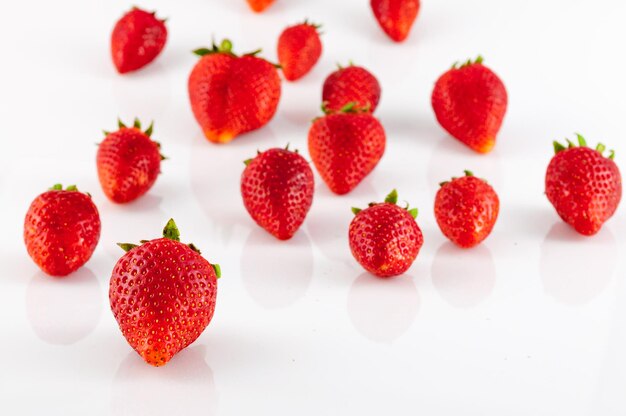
162 292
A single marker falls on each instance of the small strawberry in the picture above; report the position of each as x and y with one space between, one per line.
299 49
162 295
259 5
470 102
277 190
128 162
232 94
345 147
584 187
61 230
396 17
466 210
351 84
385 238
137 39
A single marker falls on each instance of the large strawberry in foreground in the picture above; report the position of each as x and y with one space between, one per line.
128 162
583 185
396 17
385 238
351 84
61 230
137 39
162 295
346 146
231 94
470 102
277 190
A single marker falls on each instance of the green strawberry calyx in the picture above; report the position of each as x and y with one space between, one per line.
137 125
392 199
70 188
316 26
600 148
350 108
258 152
478 61
226 47
466 172
171 232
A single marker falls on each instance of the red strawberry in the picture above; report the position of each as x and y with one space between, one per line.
259 5
299 49
345 147
466 210
231 95
137 39
384 238
584 187
162 295
470 102
396 17
277 191
352 84
128 163
61 230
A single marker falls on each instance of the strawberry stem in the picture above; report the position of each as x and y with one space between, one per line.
392 198
171 231
581 140
127 246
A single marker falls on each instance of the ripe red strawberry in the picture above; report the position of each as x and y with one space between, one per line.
299 49
352 84
470 102
277 190
396 17
259 5
137 39
384 238
584 187
345 147
231 95
61 230
466 210
162 295
128 162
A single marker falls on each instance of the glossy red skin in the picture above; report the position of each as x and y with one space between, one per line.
259 5
61 231
162 295
396 17
277 190
584 187
352 84
299 49
385 239
137 39
233 95
128 163
345 148
466 210
470 103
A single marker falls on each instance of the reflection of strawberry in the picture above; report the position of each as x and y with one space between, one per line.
299 49
351 84
345 147
396 17
466 210
584 186
384 238
259 5
162 294
232 94
470 102
277 190
137 39
61 230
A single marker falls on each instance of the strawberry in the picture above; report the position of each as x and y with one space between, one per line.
162 295
385 238
584 187
277 190
299 49
61 230
345 147
137 39
396 17
232 94
351 84
259 5
466 209
470 102
128 162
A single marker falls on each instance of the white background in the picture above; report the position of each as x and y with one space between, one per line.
533 322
